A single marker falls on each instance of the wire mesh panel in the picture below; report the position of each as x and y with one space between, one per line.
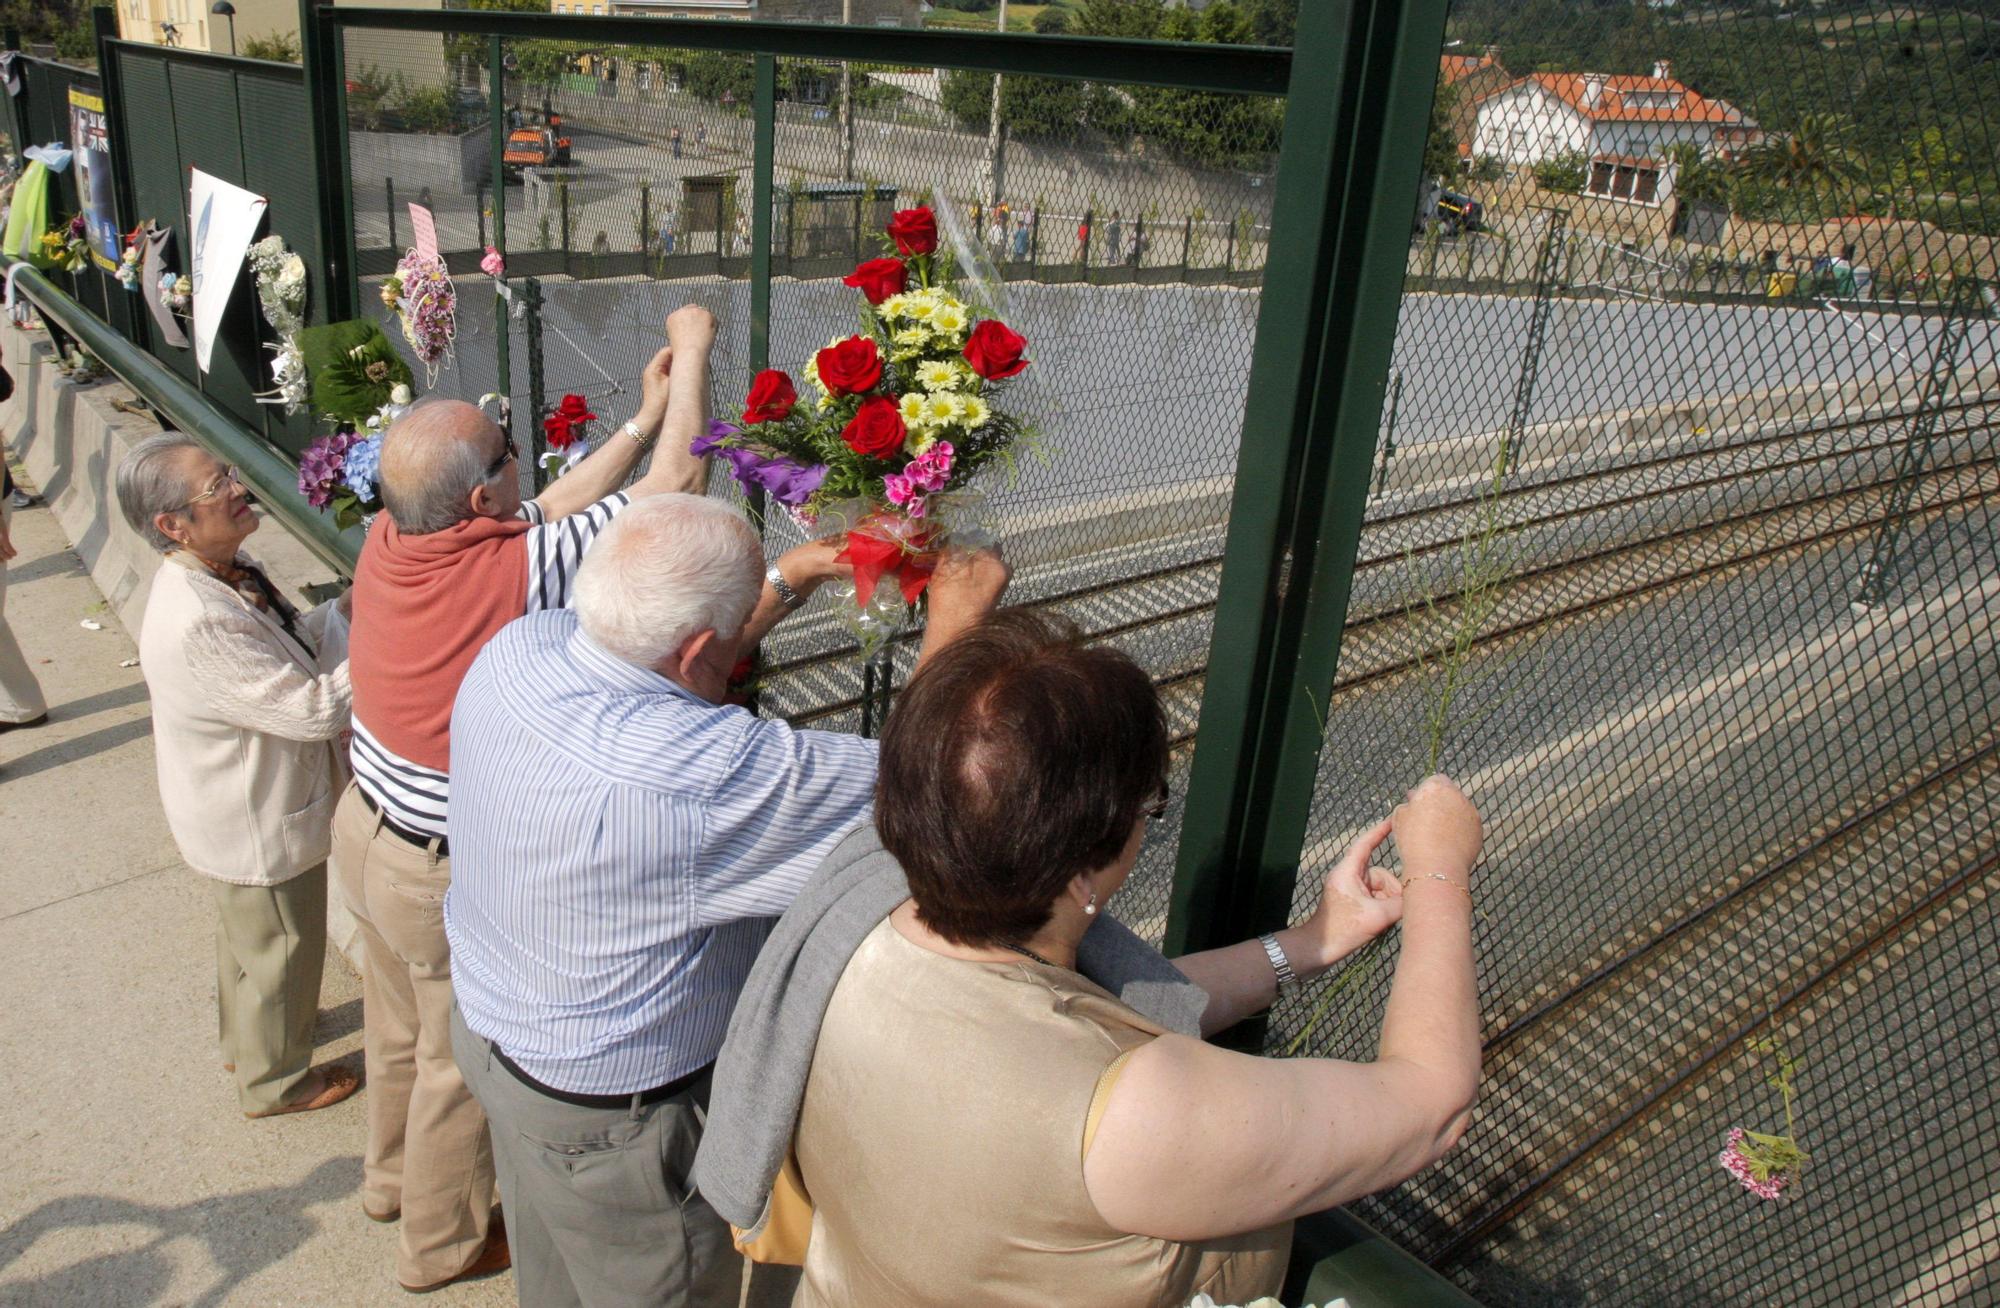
1130 257
1681 556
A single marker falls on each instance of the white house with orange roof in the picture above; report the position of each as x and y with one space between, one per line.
1623 125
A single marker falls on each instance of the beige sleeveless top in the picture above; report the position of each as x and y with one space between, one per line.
941 1140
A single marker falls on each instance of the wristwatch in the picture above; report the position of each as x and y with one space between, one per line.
1279 963
786 595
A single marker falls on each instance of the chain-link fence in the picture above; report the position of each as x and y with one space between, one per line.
1134 280
1681 556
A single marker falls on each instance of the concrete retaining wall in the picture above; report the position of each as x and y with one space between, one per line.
459 164
70 440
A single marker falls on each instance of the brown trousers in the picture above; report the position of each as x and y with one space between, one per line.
428 1149
270 949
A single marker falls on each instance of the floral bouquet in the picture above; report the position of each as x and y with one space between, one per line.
66 246
903 420
566 432
1768 1163
176 294
281 293
424 298
361 385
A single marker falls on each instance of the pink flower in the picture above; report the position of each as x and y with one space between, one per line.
897 487
1737 1164
493 265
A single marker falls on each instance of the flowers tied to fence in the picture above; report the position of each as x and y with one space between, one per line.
901 419
66 246
360 385
281 294
130 256
424 298
565 431
1767 1165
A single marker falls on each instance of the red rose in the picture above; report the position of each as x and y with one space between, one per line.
850 367
995 352
877 430
560 427
913 230
878 279
771 398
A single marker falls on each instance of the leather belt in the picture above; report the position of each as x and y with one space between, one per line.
645 1097
402 832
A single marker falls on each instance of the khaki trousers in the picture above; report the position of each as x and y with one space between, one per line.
428 1151
270 950
20 694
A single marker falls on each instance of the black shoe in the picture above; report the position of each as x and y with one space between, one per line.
31 722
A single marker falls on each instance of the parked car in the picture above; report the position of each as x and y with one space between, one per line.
534 147
1450 212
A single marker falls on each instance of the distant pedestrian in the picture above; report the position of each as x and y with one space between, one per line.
1083 240
701 131
1021 238
1114 239
674 139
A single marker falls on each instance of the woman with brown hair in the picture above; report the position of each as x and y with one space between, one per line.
983 1125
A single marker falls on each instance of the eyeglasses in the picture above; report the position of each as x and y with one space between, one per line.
230 477
1160 802
507 456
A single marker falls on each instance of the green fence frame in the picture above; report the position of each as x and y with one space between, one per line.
1359 97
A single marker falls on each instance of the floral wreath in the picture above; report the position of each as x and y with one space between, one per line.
66 245
422 294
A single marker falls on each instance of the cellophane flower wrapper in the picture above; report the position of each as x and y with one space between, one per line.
895 421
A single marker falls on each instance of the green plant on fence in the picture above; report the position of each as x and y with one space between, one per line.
1445 628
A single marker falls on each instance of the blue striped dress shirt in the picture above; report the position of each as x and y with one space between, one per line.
619 847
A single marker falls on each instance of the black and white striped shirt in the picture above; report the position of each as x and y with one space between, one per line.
414 796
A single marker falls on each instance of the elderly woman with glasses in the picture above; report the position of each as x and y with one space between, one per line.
250 700
983 1123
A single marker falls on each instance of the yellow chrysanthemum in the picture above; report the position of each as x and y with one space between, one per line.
940 407
912 337
912 408
975 412
893 307
938 375
949 320
920 441
919 306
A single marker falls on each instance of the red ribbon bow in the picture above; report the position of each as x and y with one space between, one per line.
875 556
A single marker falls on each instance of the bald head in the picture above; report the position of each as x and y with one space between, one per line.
433 458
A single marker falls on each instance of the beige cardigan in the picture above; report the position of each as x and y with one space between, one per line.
247 726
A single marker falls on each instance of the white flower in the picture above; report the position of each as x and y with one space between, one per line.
974 412
949 320
939 374
912 408
400 394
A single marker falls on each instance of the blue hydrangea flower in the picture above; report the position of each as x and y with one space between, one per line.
364 466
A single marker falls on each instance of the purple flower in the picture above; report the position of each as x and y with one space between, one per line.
710 441
323 467
790 483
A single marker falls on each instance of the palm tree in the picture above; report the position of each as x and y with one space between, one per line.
1813 155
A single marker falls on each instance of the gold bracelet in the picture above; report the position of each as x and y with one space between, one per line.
631 428
1439 876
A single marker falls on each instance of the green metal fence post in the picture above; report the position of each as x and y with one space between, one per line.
763 151
496 130
531 296
326 125
1354 131
111 86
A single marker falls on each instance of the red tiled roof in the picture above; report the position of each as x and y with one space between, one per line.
1689 106
1453 67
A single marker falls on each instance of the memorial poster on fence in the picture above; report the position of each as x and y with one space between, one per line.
222 219
91 140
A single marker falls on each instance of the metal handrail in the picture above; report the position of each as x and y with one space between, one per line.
1247 69
265 471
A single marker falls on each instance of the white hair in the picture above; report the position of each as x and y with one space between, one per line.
668 568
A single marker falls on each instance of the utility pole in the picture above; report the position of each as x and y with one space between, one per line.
846 101
993 172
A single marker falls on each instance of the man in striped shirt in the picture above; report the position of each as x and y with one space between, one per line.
455 557
622 843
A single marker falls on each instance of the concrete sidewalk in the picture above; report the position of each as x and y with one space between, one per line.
131 1175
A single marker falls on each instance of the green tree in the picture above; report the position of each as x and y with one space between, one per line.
1815 154
1564 173
472 49
1441 143
1929 167
1051 21
1697 176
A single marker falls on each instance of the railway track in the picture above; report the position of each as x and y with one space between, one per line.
1164 618
1572 1083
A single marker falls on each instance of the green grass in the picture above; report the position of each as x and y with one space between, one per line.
1020 18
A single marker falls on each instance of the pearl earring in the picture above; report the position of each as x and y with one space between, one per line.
1090 909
